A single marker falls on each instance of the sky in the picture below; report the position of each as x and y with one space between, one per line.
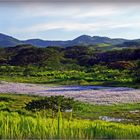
66 21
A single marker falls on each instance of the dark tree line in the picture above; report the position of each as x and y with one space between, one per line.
24 55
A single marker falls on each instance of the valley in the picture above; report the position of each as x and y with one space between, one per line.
81 91
69 70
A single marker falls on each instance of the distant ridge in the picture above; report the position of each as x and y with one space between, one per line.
8 41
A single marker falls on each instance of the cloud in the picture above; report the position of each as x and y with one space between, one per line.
75 26
32 19
70 18
68 11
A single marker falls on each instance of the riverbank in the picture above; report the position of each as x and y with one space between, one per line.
91 94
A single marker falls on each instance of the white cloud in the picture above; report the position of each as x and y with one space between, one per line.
69 11
34 19
75 26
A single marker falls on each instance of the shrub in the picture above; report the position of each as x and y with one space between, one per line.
54 103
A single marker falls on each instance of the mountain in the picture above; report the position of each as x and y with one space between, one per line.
8 41
88 40
83 40
44 43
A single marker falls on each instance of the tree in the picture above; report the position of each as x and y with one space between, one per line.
53 103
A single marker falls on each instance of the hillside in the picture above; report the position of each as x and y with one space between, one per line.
7 41
83 40
58 56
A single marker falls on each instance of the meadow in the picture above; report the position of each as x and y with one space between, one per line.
85 120
96 75
15 126
83 123
16 103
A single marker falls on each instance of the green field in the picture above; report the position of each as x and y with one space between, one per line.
83 123
17 126
96 75
18 123
16 103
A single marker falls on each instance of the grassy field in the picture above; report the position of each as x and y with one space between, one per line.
53 81
97 75
16 103
83 123
17 126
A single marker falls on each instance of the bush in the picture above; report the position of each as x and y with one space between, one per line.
54 103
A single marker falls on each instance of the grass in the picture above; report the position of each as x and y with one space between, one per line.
15 126
51 81
83 123
16 103
96 75
93 112
120 84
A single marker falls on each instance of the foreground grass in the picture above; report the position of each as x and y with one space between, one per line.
16 103
15 126
18 123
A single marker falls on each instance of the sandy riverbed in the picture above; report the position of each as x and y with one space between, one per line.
92 94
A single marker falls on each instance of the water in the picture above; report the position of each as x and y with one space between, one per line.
111 119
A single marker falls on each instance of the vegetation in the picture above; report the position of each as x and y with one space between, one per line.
25 117
95 75
19 123
21 105
53 103
17 126
79 55
72 65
